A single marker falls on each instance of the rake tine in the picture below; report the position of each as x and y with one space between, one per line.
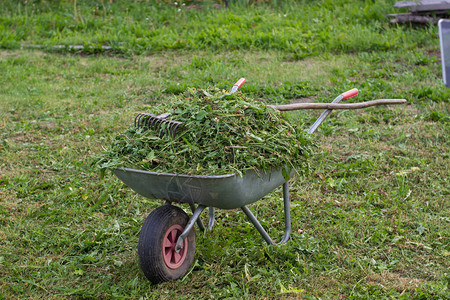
161 127
178 127
175 128
170 130
158 124
137 120
167 125
144 120
164 127
151 122
141 121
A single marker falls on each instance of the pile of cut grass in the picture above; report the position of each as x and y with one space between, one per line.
221 134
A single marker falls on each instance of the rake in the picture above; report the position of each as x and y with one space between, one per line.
158 123
163 125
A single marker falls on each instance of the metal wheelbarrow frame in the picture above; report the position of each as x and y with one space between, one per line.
167 239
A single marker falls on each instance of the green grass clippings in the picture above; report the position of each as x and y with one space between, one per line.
220 134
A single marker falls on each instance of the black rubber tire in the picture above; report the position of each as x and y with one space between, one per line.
150 247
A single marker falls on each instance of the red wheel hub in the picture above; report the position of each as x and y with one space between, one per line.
173 259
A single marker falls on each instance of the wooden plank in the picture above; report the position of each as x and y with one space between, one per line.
405 4
410 18
424 5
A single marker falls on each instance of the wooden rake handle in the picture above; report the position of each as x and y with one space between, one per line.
297 106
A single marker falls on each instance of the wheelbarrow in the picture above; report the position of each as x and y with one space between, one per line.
166 246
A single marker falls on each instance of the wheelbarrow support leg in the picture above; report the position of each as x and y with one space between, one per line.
211 219
287 219
199 221
189 227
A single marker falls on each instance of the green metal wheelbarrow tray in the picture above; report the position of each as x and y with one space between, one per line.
166 245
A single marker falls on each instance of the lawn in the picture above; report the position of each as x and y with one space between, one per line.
370 219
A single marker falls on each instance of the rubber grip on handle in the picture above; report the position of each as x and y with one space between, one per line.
351 93
240 82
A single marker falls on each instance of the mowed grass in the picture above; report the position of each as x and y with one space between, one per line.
298 28
370 219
